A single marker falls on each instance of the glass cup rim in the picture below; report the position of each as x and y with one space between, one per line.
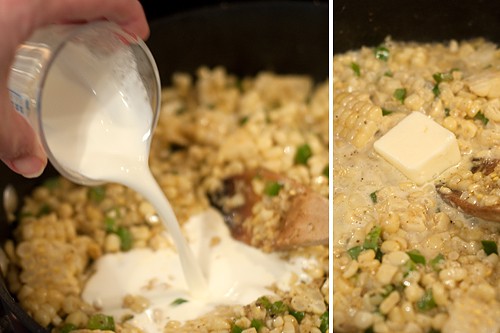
79 29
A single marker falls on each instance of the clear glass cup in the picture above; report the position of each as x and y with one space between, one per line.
105 42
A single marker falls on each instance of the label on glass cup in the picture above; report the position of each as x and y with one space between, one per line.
21 102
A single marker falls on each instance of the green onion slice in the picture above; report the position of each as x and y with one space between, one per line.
101 322
303 154
489 247
178 301
481 117
299 315
323 327
427 302
435 263
355 251
126 238
400 94
382 53
416 257
257 324
373 238
356 69
272 189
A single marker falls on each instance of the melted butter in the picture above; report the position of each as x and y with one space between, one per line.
236 274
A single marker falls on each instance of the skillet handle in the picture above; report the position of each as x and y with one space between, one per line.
13 319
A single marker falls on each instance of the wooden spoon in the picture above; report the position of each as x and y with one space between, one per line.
455 198
306 222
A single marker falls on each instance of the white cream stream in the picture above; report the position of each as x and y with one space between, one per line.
107 138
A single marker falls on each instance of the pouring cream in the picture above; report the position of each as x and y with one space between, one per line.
108 138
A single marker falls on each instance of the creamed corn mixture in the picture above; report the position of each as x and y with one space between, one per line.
404 261
212 125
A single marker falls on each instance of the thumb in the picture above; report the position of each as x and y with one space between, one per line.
20 148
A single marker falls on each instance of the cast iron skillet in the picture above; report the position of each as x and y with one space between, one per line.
366 23
282 36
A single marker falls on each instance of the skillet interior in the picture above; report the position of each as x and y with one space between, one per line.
282 36
358 23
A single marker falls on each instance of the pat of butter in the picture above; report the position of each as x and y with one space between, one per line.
419 147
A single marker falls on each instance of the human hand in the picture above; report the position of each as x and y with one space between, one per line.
20 148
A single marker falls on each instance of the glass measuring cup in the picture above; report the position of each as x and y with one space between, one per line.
88 53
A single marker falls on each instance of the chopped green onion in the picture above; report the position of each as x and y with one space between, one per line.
373 238
236 329
435 263
427 302
400 94
369 330
278 308
68 328
480 116
299 315
97 193
323 327
386 112
447 112
326 171
178 301
388 73
303 154
272 188
382 53
373 196
257 324
110 225
355 251
371 242
125 238
489 247
440 77
264 302
435 90
101 322
355 68
416 257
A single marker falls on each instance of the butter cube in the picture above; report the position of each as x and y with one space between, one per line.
419 147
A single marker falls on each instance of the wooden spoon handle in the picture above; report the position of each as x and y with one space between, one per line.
488 213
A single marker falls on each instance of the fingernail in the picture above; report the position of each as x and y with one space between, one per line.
28 166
